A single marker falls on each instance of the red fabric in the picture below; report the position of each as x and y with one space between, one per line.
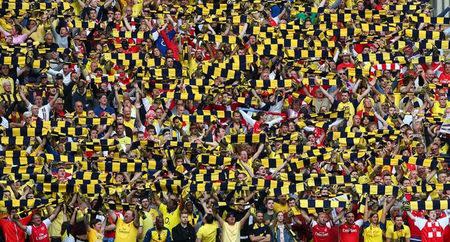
322 233
432 232
345 65
415 232
444 78
11 232
257 127
359 48
39 233
170 44
111 234
349 233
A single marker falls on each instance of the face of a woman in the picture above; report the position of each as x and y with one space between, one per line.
280 217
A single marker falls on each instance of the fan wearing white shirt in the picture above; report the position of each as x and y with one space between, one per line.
43 110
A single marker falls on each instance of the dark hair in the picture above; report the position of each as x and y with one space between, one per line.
209 219
94 221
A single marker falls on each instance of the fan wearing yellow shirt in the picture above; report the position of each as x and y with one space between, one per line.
150 216
171 212
373 226
96 230
126 226
282 205
208 231
231 231
346 105
159 233
398 232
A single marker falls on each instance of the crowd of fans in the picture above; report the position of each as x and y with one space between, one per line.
160 120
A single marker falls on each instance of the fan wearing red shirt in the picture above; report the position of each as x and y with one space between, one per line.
347 61
12 232
38 231
349 231
321 229
444 78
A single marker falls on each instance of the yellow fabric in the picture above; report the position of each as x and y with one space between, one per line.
397 235
193 219
231 233
125 232
54 230
170 219
277 207
348 108
137 8
207 233
438 110
149 221
129 123
94 236
5 25
373 234
125 140
159 236
38 35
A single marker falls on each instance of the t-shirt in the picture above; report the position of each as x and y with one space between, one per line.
207 233
94 236
398 235
44 111
55 228
321 233
154 235
350 232
125 232
40 232
170 219
12 232
149 220
373 233
260 229
231 233
278 207
421 222
348 108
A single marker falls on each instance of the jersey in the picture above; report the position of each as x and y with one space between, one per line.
321 233
125 232
170 219
207 233
39 233
397 235
350 232
373 233
432 231
94 236
231 233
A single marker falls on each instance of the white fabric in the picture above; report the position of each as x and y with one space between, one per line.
47 223
4 123
44 111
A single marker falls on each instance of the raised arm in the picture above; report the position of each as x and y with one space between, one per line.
325 92
20 225
366 210
258 152
244 219
361 97
55 213
136 222
305 216
217 216
112 214
24 98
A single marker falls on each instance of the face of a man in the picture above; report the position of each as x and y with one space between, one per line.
184 218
